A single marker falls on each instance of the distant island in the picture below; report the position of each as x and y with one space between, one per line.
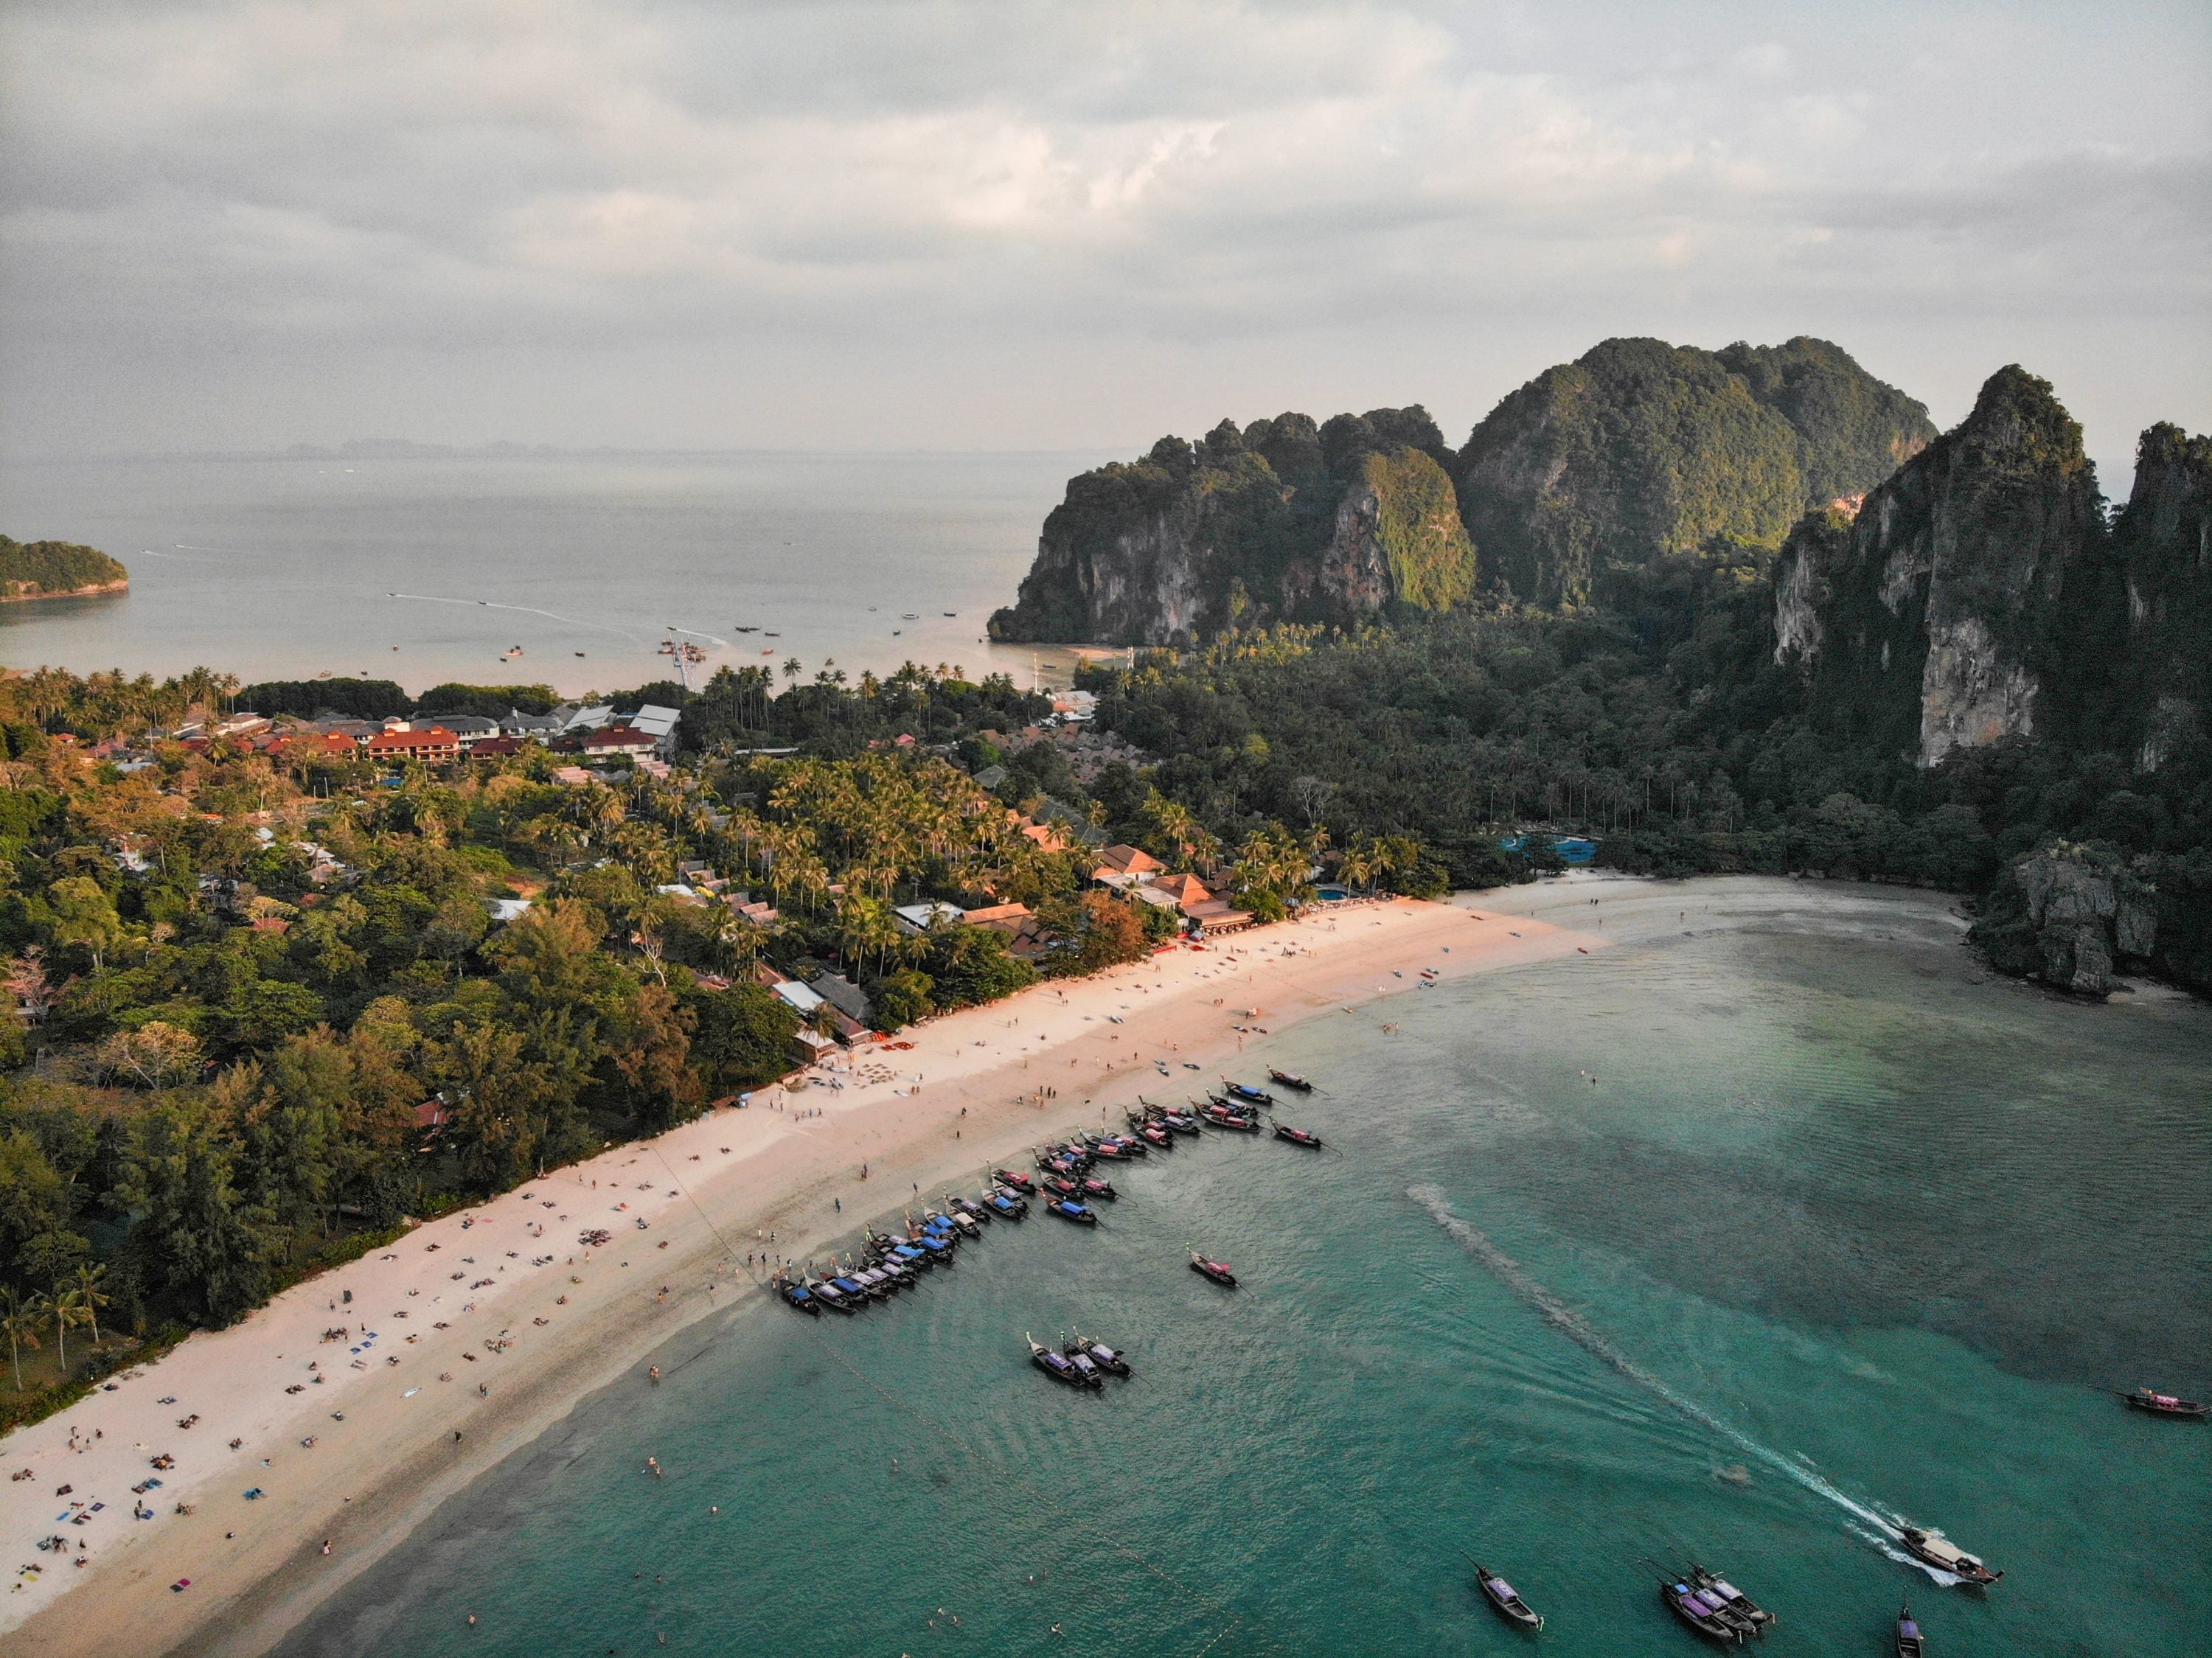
56 569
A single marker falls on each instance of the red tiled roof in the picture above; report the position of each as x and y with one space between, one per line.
436 740
1129 860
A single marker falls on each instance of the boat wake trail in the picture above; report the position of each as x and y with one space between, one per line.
1578 1330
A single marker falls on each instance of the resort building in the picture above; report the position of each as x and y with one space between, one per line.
435 746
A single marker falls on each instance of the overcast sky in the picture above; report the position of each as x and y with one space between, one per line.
255 222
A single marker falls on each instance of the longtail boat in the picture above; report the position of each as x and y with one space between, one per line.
1701 1612
1058 1367
1733 1601
1908 1634
1501 1595
1934 1549
1106 1358
1068 1209
1248 1094
1013 1177
1217 1270
1291 1079
1298 1137
2159 1404
796 1295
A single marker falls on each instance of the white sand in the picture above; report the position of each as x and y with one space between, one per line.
428 1307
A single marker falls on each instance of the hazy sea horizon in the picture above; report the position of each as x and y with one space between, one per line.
282 567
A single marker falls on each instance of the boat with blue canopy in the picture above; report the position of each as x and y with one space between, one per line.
1504 1599
1909 1643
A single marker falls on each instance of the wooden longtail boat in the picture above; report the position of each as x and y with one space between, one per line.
2159 1404
1217 1270
1058 1367
1934 1549
1738 1602
1701 1614
1108 1360
1500 1594
1908 1634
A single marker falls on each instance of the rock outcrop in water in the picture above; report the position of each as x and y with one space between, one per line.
2069 916
1924 619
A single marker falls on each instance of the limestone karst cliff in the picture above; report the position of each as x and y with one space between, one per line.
1637 452
1930 618
1282 520
2162 552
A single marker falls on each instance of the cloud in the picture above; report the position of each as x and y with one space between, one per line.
415 215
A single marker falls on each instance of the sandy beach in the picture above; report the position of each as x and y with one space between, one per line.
474 1333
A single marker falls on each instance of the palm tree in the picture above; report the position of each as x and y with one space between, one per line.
86 1282
21 1318
1352 866
69 1309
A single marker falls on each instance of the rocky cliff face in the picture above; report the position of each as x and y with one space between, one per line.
1397 538
2162 546
2067 917
1283 520
1929 619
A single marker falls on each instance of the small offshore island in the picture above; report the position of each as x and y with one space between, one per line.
56 569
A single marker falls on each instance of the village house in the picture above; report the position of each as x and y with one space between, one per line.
918 918
845 996
434 746
1026 938
1123 867
609 740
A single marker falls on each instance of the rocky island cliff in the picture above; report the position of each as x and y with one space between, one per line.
56 569
1279 520
1637 451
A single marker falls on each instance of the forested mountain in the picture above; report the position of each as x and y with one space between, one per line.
55 569
1638 451
1971 680
1283 520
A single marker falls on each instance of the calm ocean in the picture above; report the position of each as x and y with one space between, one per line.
1840 1235
287 569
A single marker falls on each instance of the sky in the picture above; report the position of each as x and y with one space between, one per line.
946 224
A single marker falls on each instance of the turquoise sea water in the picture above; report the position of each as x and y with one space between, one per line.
1838 1236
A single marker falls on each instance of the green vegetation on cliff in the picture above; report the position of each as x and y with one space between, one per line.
54 569
1639 450
1234 530
1432 563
